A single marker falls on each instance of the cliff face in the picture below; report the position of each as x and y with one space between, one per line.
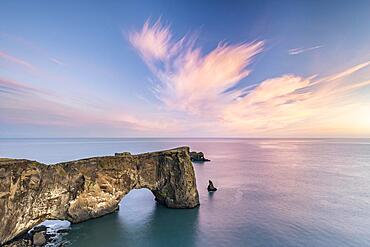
31 192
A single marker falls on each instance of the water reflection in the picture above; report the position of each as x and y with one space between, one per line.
210 195
172 227
139 222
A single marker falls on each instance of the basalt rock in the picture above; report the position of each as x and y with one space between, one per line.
197 157
32 192
211 187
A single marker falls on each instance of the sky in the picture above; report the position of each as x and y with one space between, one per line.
184 68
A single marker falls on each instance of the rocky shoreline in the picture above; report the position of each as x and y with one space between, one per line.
32 192
40 235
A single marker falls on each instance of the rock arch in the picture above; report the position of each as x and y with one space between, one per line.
31 192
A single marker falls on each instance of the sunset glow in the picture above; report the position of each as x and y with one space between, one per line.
155 76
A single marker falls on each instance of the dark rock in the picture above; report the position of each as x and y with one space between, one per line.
19 243
50 236
31 192
38 236
64 230
23 240
210 187
40 228
122 154
197 157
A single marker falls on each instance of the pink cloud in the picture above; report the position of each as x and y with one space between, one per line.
197 83
348 71
153 42
189 80
14 87
24 104
292 104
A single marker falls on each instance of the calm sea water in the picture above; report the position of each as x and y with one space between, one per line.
290 192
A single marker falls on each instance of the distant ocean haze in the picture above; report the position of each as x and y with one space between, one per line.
271 192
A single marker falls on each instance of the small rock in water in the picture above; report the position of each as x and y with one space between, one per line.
197 156
210 187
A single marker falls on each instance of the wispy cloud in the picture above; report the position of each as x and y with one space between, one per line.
190 80
31 46
296 51
56 61
348 71
12 87
197 83
17 61
153 41
24 104
291 102
34 69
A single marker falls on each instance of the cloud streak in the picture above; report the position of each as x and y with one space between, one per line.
17 61
291 102
12 87
296 51
24 104
31 46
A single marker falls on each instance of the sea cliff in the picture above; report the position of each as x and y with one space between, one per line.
32 192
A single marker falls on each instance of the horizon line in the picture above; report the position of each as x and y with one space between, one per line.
185 137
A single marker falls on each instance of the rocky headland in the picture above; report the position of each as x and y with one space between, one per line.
32 192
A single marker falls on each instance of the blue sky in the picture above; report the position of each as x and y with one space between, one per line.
199 68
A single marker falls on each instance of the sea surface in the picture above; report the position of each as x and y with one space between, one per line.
271 192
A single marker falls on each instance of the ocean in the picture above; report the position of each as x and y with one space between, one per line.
271 192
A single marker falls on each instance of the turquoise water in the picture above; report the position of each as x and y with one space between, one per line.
271 192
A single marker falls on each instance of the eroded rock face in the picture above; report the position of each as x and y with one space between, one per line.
31 192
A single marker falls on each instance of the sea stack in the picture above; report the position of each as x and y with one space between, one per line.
197 157
210 187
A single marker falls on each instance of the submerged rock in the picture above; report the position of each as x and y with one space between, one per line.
197 157
63 230
31 192
210 187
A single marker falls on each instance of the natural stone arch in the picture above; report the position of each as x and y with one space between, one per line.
31 192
